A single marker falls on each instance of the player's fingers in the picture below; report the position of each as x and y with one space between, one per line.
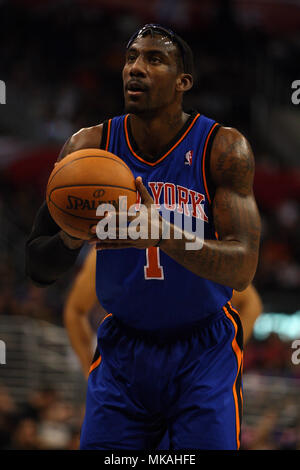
114 227
123 218
112 234
117 218
145 195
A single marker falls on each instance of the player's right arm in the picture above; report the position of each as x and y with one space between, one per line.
49 251
81 298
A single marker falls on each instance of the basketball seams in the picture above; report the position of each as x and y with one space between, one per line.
96 185
87 156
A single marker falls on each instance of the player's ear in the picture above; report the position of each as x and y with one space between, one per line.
184 82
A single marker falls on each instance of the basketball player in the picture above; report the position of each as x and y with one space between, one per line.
169 355
82 299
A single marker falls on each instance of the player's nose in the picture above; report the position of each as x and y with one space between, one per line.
138 67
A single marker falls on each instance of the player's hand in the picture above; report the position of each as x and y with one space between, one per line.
143 231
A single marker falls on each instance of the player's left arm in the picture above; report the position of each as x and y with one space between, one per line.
232 259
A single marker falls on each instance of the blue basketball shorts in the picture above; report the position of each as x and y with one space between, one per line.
188 386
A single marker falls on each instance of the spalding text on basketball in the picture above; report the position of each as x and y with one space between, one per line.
77 203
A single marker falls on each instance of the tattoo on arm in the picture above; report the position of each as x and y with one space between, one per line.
234 162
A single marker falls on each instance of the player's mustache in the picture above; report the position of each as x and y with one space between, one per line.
137 85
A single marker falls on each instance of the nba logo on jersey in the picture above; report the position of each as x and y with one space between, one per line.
188 157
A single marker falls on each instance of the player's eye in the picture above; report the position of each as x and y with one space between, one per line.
131 57
155 59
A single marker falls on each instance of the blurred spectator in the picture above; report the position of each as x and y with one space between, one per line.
39 402
262 438
8 412
44 422
55 428
24 436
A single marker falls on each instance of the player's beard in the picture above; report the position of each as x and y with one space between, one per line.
137 107
145 108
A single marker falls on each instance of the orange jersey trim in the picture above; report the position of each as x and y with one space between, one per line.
106 316
203 160
167 153
232 308
108 134
239 357
95 364
98 361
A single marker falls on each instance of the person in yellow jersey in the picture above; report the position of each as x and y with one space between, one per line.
82 299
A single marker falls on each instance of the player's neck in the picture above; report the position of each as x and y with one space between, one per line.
153 134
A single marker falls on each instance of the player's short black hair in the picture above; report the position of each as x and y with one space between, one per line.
185 52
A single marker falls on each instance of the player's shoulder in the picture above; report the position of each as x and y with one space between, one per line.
86 137
231 156
229 137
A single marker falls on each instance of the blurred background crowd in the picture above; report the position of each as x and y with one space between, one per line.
61 62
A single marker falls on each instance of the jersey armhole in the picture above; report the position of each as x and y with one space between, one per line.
105 135
209 185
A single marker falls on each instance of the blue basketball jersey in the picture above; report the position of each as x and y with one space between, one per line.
146 289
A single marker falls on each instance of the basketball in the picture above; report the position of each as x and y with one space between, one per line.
82 181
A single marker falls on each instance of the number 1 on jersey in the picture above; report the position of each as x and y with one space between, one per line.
153 269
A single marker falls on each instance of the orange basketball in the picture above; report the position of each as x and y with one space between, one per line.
82 181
